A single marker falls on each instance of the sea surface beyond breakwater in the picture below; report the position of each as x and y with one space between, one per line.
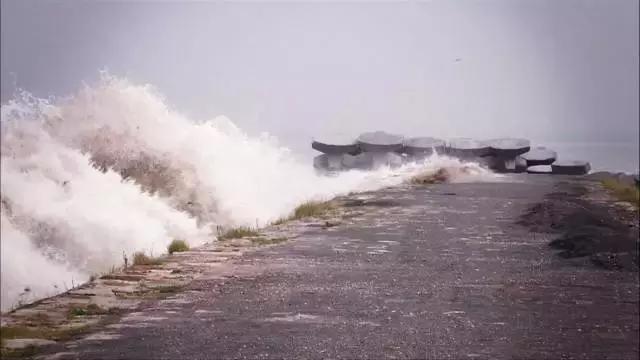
438 271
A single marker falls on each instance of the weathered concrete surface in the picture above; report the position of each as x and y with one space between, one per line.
371 160
329 161
335 148
423 146
571 167
539 156
539 169
440 272
379 141
468 148
508 147
520 164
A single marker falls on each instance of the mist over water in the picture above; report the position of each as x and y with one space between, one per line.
112 170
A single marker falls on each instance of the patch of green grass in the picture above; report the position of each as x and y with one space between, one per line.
30 332
238 233
307 209
280 221
311 209
23 353
168 289
38 319
21 332
260 241
140 258
178 246
623 192
77 312
90 309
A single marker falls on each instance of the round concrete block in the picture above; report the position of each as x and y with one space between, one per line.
387 159
362 161
467 148
500 164
321 162
423 146
371 160
379 141
539 156
521 164
335 148
355 161
539 169
495 163
570 167
508 147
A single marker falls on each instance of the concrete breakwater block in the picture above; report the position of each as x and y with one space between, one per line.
372 150
508 147
371 160
386 159
467 148
502 165
360 161
423 146
539 156
570 167
539 169
520 164
494 163
321 162
335 148
379 141
329 161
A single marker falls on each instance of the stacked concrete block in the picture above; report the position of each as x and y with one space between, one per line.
506 155
520 164
336 149
422 147
508 148
571 167
380 149
504 151
465 148
379 142
540 156
539 169
369 151
332 162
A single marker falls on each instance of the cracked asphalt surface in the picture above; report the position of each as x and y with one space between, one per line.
439 272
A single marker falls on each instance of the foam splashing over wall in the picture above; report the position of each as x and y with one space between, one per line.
112 170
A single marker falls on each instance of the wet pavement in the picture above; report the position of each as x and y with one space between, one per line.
448 271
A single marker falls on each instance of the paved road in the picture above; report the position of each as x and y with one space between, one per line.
435 273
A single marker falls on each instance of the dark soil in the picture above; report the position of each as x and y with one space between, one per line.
608 235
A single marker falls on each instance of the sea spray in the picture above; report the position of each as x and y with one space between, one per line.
113 169
74 216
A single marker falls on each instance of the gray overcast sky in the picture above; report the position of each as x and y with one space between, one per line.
544 69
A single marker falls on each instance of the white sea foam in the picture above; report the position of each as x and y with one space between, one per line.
112 170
